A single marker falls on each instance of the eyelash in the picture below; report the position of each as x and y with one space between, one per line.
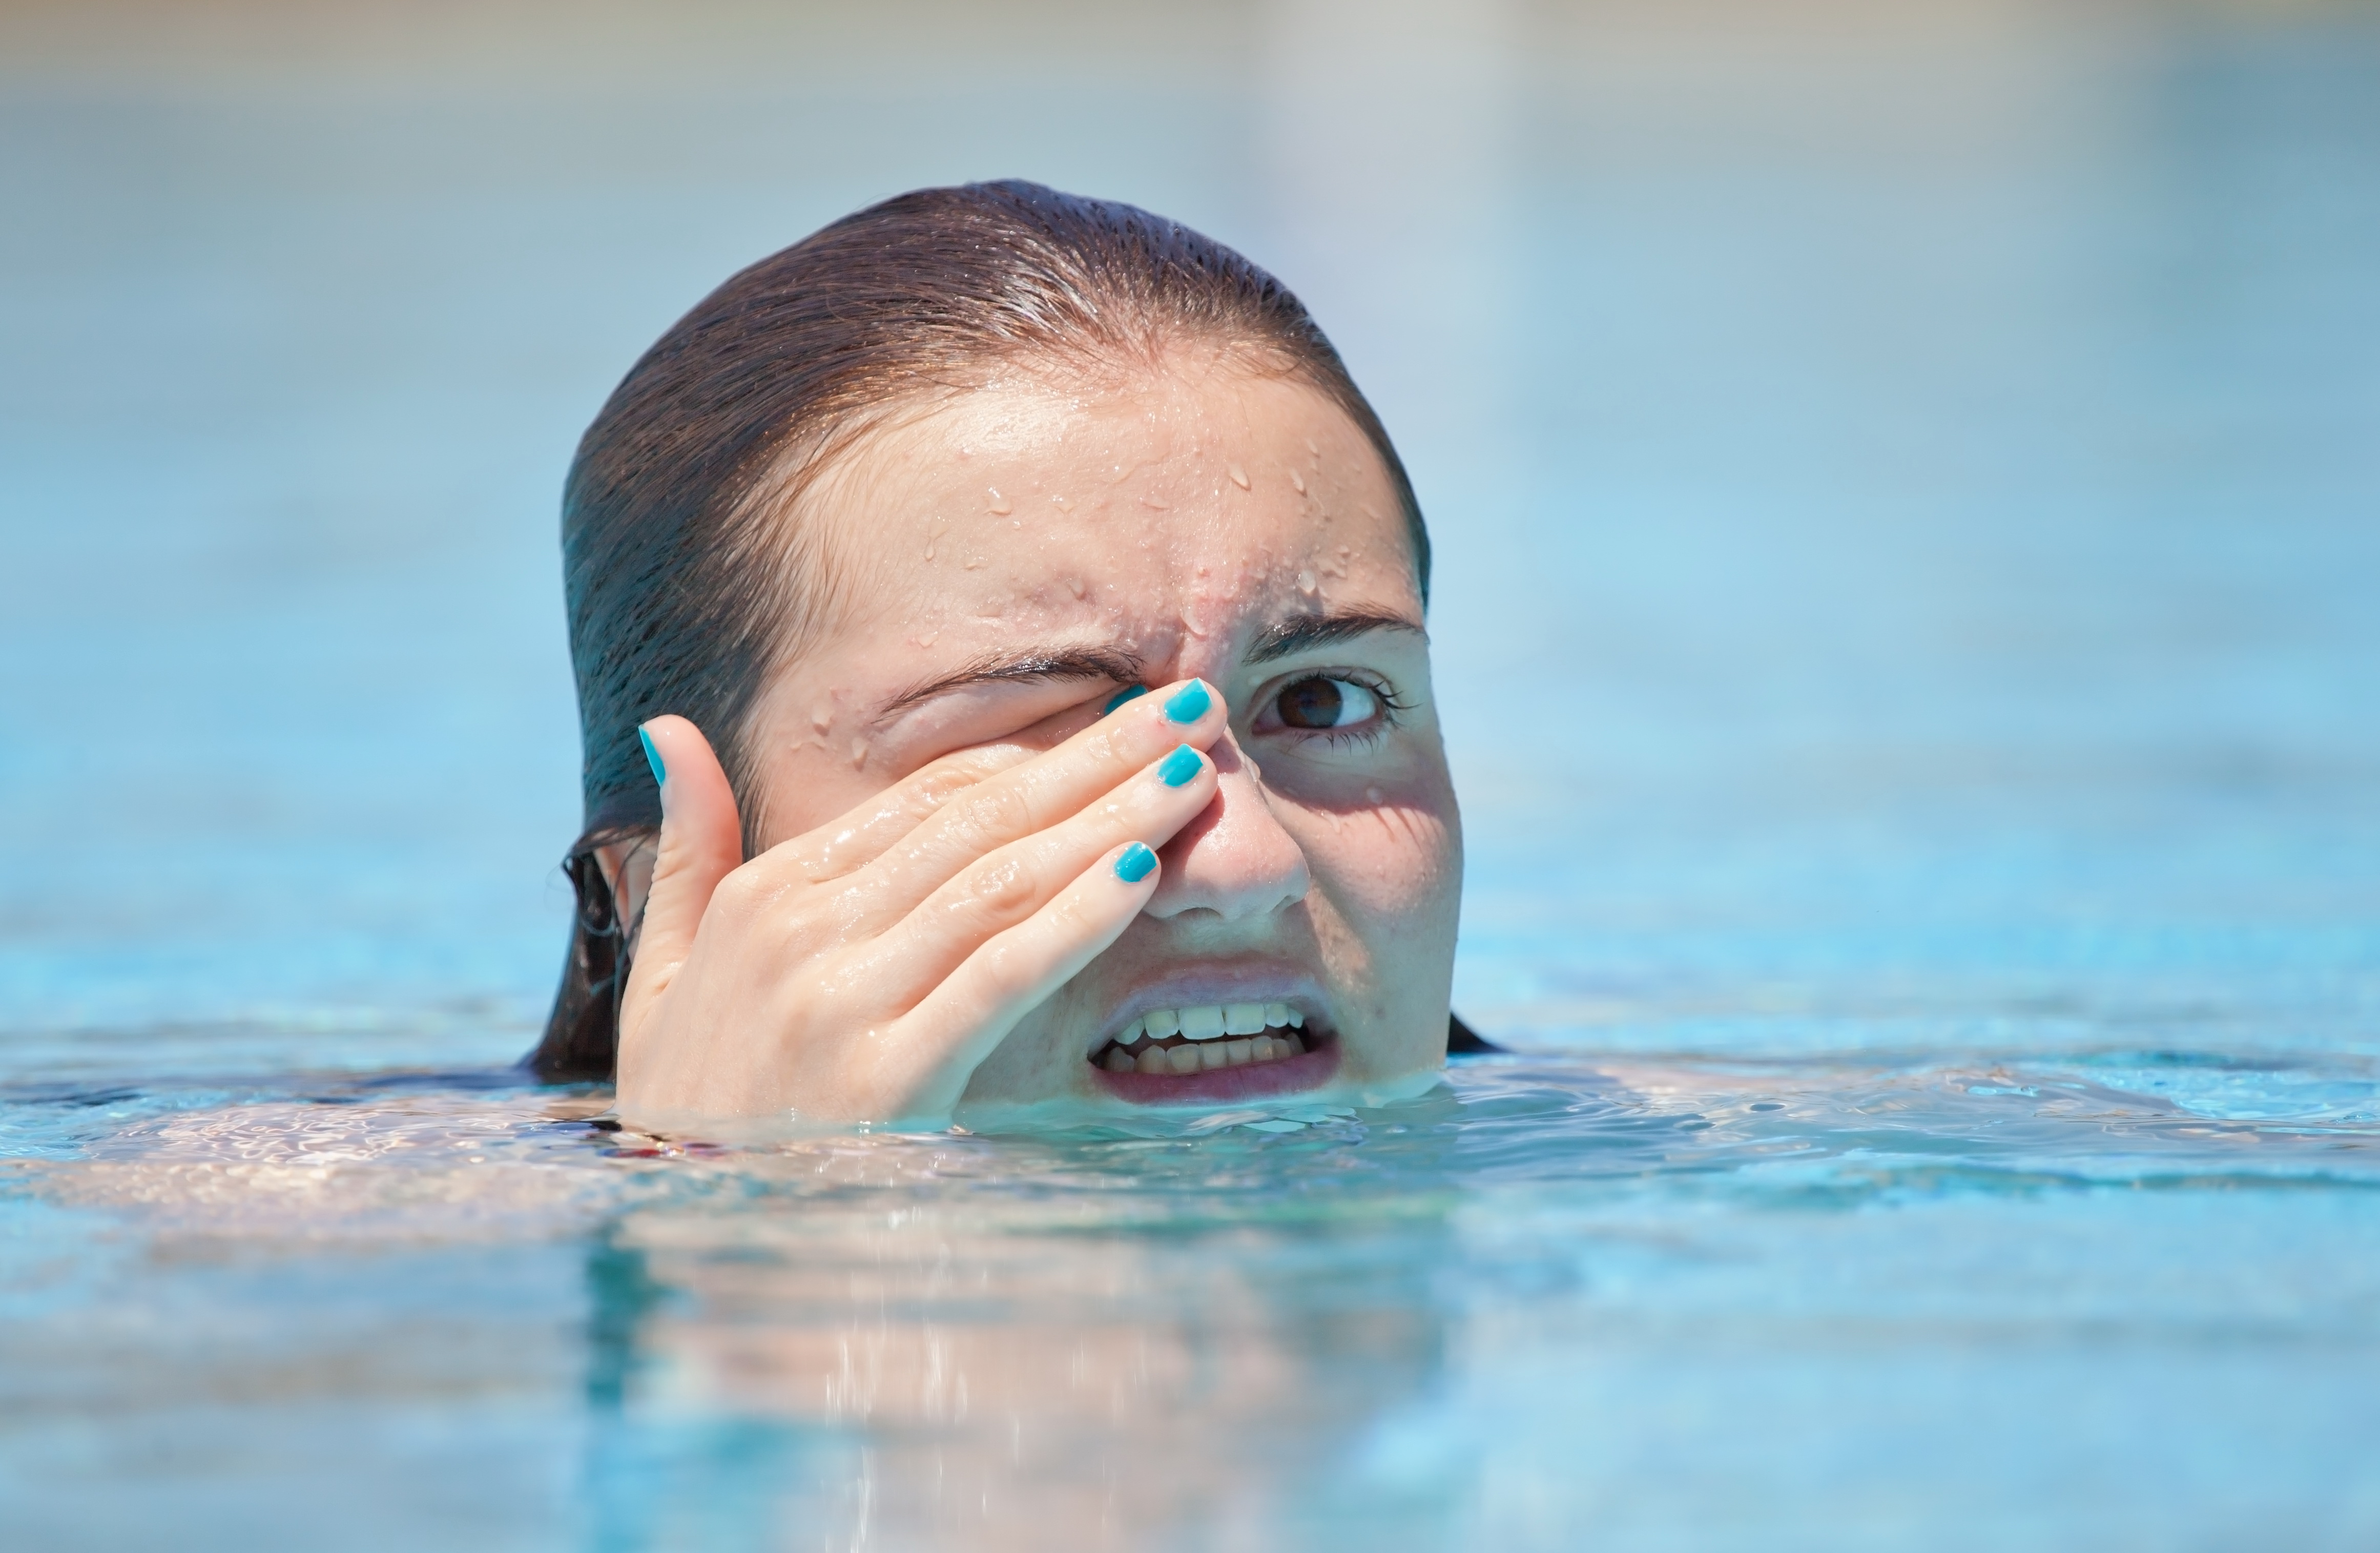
1385 694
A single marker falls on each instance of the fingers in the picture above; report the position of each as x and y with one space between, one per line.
701 843
861 836
961 1021
1041 791
997 891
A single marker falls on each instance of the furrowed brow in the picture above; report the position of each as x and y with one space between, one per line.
1307 632
1065 663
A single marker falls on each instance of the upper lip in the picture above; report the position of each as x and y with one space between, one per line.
1212 986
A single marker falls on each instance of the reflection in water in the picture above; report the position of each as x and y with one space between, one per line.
1902 480
1699 1294
884 1346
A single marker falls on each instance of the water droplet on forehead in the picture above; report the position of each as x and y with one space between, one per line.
1239 476
1298 480
1000 503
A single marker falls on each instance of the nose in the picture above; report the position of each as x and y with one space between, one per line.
1234 859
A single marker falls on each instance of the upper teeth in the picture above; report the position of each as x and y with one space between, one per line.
1210 1022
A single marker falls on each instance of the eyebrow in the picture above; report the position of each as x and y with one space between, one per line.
1285 639
1031 668
1307 632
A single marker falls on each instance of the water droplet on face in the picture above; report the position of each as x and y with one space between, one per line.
1306 583
821 721
858 753
1000 503
1312 449
1077 587
1239 476
1298 480
1153 504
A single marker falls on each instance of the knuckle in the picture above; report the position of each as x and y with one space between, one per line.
989 817
994 895
738 893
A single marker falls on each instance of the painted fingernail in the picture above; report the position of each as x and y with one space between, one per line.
1131 865
1189 703
1179 767
1129 693
654 758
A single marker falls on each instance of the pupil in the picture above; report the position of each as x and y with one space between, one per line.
1311 703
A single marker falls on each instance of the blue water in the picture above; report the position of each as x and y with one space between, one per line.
1908 500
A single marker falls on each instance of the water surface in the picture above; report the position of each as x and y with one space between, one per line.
1904 489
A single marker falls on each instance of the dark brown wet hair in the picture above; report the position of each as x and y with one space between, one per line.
685 582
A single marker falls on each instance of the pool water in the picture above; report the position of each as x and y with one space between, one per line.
1907 495
2122 1299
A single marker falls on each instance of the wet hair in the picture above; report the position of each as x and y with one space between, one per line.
684 581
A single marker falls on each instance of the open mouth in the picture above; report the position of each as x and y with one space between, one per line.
1215 1052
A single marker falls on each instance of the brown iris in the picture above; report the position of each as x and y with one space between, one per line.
1312 703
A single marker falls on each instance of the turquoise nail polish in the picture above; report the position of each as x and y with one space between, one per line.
654 758
1189 703
1179 767
1129 693
1134 862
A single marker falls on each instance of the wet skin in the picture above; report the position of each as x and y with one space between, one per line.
937 928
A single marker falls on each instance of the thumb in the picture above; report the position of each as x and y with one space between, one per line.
701 843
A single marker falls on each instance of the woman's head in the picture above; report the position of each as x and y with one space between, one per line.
951 473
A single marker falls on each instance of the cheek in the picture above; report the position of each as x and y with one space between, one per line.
1393 868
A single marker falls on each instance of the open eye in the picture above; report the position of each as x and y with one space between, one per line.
1319 702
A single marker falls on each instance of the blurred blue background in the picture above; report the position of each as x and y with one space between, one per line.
1906 478
1906 481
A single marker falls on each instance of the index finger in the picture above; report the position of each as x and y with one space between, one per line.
1038 794
860 836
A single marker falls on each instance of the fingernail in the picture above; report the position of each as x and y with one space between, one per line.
1129 693
654 758
1134 862
1189 703
1179 767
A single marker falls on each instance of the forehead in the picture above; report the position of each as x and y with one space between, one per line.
1192 503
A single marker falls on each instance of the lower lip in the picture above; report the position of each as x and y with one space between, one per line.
1253 1081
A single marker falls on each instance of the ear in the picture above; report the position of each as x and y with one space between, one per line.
628 873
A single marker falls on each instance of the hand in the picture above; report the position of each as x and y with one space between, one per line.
861 972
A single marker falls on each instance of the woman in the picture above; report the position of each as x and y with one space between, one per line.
998 626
